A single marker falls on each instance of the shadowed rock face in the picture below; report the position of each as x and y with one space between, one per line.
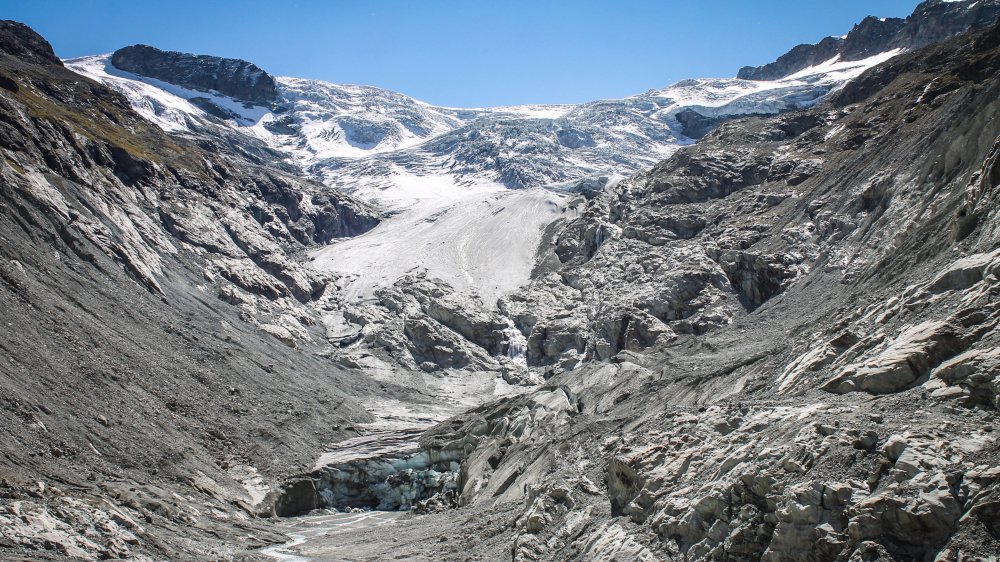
18 40
930 22
230 77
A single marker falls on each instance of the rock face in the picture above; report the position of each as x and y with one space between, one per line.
234 78
19 40
930 22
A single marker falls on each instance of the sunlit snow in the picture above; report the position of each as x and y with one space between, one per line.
481 236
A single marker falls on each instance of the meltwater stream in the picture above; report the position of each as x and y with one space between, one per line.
302 529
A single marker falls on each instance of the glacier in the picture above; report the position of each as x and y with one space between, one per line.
466 193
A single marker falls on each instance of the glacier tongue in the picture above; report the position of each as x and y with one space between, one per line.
481 237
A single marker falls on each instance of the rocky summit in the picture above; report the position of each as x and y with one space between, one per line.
932 21
230 77
259 318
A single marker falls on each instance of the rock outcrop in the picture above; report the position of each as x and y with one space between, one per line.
234 78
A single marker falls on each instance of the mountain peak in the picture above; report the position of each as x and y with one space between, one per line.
930 22
19 40
235 78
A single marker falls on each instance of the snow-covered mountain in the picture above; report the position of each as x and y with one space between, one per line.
425 165
373 141
357 136
441 173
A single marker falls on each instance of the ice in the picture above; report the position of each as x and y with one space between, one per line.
163 108
479 236
836 70
346 120
517 344
342 133
437 171
161 102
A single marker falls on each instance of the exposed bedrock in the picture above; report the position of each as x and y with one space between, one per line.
230 77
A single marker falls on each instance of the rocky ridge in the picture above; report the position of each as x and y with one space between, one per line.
931 21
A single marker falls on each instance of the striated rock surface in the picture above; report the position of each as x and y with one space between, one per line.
145 415
744 362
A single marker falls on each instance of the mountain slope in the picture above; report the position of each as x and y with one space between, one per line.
418 161
339 133
126 379
776 343
931 21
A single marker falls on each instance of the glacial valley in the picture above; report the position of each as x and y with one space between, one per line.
251 317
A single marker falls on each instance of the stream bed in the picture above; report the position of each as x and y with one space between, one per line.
308 527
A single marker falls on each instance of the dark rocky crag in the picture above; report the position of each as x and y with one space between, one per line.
19 40
932 21
235 78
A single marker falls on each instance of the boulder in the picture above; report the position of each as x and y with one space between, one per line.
908 358
976 371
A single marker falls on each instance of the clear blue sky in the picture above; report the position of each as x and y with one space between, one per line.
466 54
